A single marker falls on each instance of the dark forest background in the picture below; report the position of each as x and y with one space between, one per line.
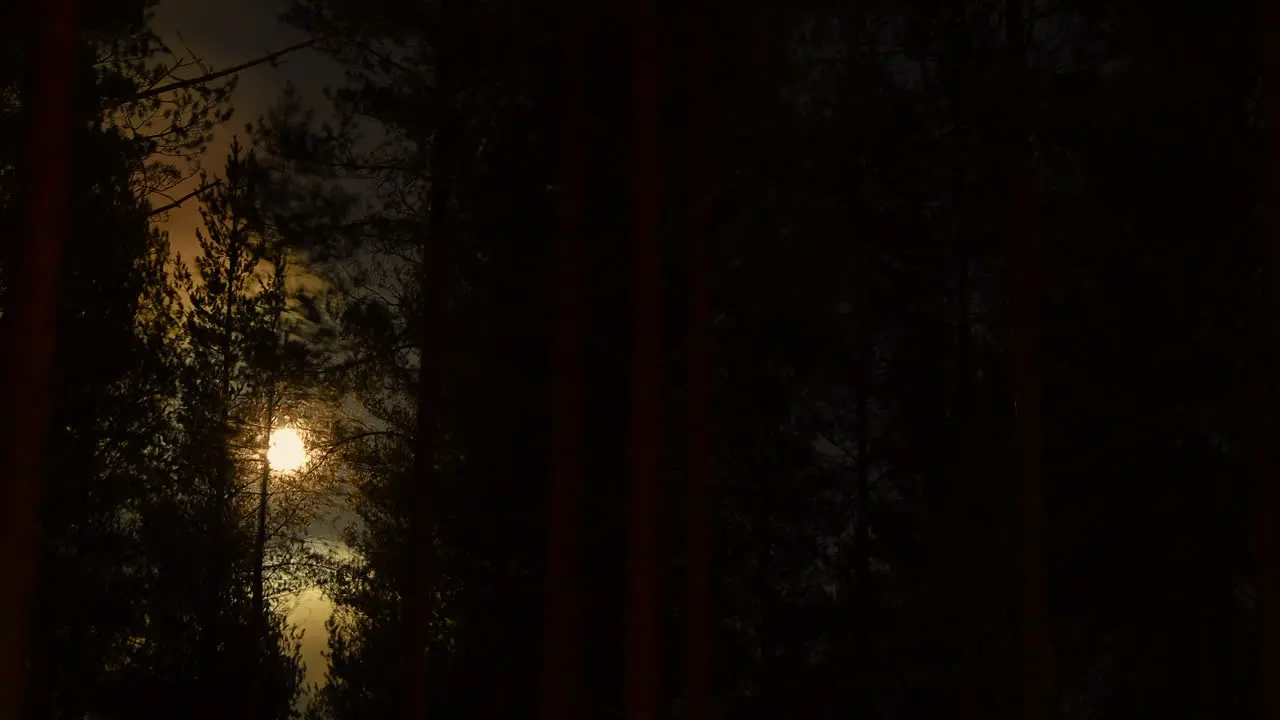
817 359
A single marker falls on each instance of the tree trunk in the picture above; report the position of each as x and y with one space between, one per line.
222 494
862 494
561 653
767 637
260 534
965 427
642 627
435 253
698 659
1023 246
259 560
27 343
1266 460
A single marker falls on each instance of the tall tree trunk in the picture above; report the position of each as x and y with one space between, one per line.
220 496
698 659
963 423
862 491
1023 244
642 627
27 335
435 251
766 634
1266 451
561 653
259 558
228 332
962 244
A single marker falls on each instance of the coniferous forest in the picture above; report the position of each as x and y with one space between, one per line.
689 359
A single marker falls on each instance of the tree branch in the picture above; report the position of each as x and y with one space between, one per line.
165 208
210 77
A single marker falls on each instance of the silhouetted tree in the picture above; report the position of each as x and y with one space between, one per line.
229 404
876 169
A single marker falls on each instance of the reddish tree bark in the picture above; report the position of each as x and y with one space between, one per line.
1024 252
698 657
29 334
642 644
561 652
1266 461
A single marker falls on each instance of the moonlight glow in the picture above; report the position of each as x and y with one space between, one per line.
286 452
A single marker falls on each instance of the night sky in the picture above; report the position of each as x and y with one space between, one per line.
225 33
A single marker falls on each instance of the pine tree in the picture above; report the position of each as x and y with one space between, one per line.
110 441
228 409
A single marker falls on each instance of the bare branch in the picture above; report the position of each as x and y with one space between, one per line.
165 208
210 77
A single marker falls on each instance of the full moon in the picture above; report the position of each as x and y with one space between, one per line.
286 452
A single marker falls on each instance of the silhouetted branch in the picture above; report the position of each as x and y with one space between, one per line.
166 208
210 77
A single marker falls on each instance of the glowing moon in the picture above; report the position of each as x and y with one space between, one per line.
286 452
